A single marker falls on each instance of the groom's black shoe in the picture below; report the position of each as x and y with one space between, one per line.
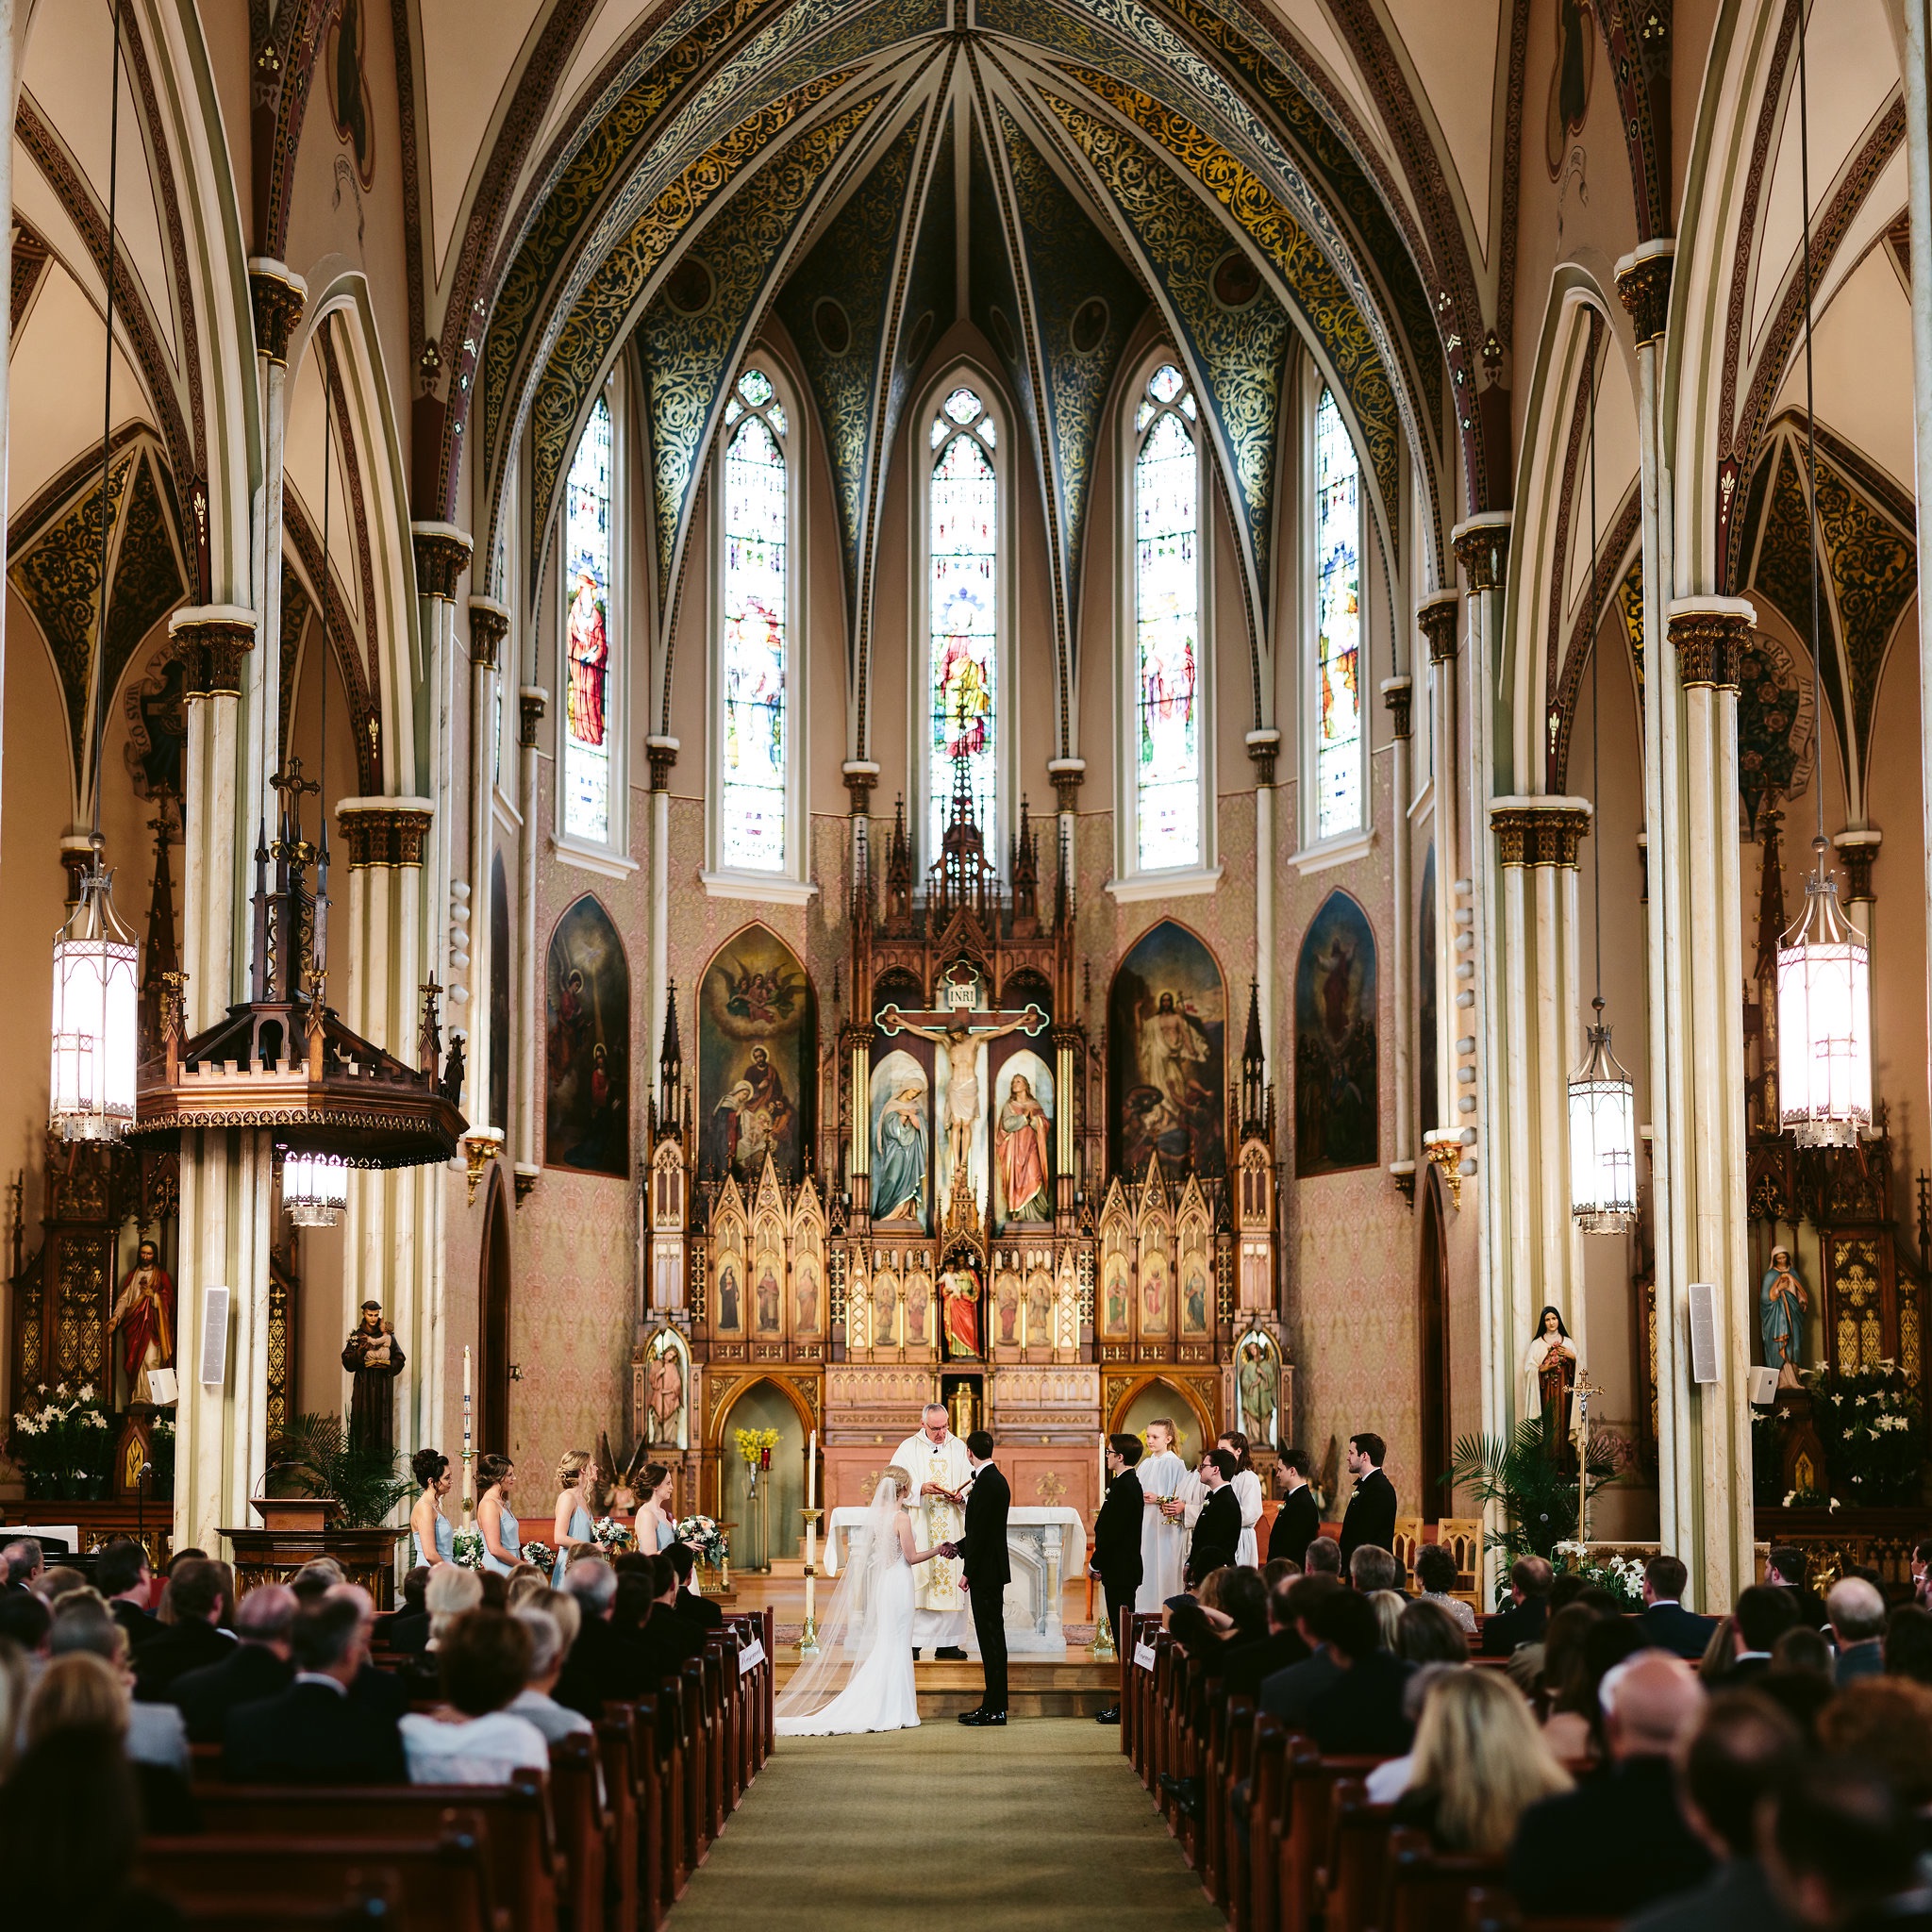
951 1654
979 1719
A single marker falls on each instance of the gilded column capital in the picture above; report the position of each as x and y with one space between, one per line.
1542 830
1482 548
1857 851
1396 693
1066 774
1264 747
662 753
1707 634
279 297
1436 617
860 776
488 626
443 552
385 831
1643 286
210 641
532 702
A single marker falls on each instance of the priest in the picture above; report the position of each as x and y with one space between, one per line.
935 1459
1164 1534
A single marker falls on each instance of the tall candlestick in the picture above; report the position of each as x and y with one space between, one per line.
811 1473
466 1371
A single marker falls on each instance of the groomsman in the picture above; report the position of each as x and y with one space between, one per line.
1370 1518
1117 1538
1217 1533
1298 1522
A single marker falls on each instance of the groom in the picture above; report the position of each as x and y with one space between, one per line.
986 1572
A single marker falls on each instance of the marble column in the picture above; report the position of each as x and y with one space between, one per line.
1437 617
488 626
1066 774
532 701
661 751
860 776
1396 693
1264 748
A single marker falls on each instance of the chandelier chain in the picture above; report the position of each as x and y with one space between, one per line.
98 696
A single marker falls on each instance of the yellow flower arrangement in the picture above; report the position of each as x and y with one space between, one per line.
756 1446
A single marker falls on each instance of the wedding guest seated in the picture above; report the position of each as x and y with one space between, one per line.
526 1582
1289 1693
26 1619
1665 1622
474 1739
407 1631
452 1592
1567 1692
1425 1633
257 1665
1908 1643
667 1641
1856 1611
195 1637
14 1683
1361 1712
1740 1754
85 1691
1761 1616
690 1603
1322 1559
603 1664
1388 1605
22 1563
1479 1763
61 1580
1434 1569
1529 1611
315 1579
534 1700
1784 1569
1649 1703
156 1734
1247 1666
1842 1849
495 1589
1885 1722
313 1732
1276 1570
122 1577
1372 1568
1230 1612
381 1692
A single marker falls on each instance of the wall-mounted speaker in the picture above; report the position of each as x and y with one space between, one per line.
1702 1332
214 1338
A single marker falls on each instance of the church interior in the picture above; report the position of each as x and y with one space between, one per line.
728 716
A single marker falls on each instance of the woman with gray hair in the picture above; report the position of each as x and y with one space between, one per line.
547 1652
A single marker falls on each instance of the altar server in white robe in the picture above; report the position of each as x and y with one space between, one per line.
935 1459
1247 1492
1163 1535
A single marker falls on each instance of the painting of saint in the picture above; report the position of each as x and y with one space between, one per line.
589 651
1040 1310
960 1292
901 1144
1023 1140
805 1291
1167 1018
885 1305
1194 1297
1153 1291
918 1308
1335 1051
766 1295
587 1059
1007 1309
730 1301
758 1057
1113 1297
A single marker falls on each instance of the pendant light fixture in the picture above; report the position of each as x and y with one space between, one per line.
96 997
1603 1103
1824 964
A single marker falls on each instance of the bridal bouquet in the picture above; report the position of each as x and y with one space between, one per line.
612 1536
466 1549
538 1553
704 1535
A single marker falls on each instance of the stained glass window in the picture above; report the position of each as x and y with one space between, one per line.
1167 611
963 615
1338 626
587 548
752 795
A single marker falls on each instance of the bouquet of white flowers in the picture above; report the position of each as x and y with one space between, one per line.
611 1536
466 1549
1623 1577
703 1534
63 1443
538 1552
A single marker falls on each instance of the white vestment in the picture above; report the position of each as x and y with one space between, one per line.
1163 1545
1247 1492
940 1616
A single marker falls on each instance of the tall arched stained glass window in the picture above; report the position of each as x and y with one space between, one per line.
752 790
587 550
963 605
1338 626
1167 627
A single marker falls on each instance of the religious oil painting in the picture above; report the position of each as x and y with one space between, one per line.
587 1059
1023 1141
1334 1090
1114 1294
1197 1297
758 1057
901 1142
1167 1021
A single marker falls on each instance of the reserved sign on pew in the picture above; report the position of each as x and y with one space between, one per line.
751 1657
1144 1655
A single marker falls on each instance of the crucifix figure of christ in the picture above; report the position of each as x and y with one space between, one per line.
961 1033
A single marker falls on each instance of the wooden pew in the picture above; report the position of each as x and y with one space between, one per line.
1429 1889
371 1905
630 1885
1355 1876
693 1740
1259 1911
442 1883
1307 1827
583 1825
1234 1760
1490 1908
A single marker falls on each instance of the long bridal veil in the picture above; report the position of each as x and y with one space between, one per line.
847 1629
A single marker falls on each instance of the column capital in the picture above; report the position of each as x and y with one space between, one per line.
1396 693
1066 774
1707 634
1643 286
532 702
662 753
1264 746
860 776
1482 547
279 297
1857 851
1436 617
443 551
210 640
488 626
385 831
1542 830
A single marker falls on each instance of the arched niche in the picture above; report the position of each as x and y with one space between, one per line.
768 1402
587 1043
1154 1398
758 1057
1167 1025
1337 1101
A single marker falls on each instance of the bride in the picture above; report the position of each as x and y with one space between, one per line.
870 1620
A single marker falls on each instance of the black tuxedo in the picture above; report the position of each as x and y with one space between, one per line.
313 1735
1520 1624
1117 1545
1672 1627
1217 1535
1297 1524
1624 1828
141 1626
700 1610
668 1642
173 1651
1370 1519
248 1674
989 1570
605 1664
408 1634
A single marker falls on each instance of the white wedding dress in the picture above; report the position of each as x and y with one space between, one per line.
868 1624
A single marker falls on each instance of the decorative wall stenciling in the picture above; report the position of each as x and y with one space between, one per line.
1336 1096
1166 1028
587 1059
758 1057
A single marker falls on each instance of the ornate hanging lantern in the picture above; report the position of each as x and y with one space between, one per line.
1823 1021
315 1188
96 1002
1603 1139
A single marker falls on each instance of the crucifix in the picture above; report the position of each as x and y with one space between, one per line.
962 1029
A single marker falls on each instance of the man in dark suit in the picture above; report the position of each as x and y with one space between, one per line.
1361 1712
1248 1666
1600 1828
1370 1517
667 1641
192 1640
406 1634
603 1664
1529 1614
1665 1622
1289 1693
313 1733
1298 1522
1784 1566
988 1571
1857 1627
1761 1615
701 1610
122 1577
1218 1528
1117 1539
255 1667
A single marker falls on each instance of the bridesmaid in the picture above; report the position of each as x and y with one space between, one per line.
654 1526
435 1538
576 1477
503 1535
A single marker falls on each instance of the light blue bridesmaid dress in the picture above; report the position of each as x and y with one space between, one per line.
445 1541
579 1532
509 1533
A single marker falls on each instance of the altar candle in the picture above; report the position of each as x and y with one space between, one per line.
811 1473
466 1371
